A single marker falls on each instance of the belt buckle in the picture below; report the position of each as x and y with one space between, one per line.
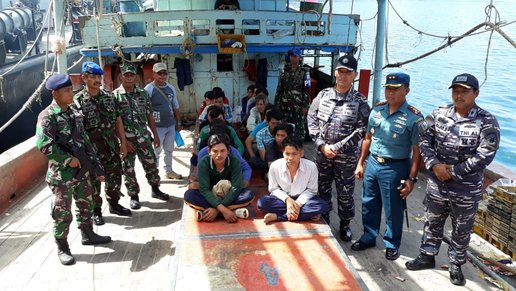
380 160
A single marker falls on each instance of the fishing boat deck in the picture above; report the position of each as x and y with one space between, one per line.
161 247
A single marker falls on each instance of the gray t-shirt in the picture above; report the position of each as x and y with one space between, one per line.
161 109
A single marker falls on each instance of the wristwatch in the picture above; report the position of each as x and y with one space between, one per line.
413 179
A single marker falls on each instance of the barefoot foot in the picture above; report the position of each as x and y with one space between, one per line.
270 217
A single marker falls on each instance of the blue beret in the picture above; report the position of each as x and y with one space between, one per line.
92 68
396 80
295 51
58 81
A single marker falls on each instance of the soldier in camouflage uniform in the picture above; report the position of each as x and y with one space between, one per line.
135 109
337 121
102 121
393 158
292 96
457 142
58 121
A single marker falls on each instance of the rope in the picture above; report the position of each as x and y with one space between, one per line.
386 37
97 20
27 104
350 12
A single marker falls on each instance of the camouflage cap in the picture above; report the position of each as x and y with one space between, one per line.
127 68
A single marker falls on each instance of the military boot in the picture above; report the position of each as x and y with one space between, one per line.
119 210
91 238
156 193
345 232
456 276
97 217
63 252
423 261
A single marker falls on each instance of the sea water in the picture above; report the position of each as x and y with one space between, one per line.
431 76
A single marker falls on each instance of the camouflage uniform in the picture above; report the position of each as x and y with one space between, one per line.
339 120
134 108
292 97
469 144
61 179
100 114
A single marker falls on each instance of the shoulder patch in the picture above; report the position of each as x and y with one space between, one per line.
413 110
381 103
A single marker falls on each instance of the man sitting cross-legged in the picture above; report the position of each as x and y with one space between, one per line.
293 187
218 166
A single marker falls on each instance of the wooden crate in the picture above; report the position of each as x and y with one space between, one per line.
505 193
226 40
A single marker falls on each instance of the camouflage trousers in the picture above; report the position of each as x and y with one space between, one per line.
145 153
108 153
443 200
61 211
299 120
341 169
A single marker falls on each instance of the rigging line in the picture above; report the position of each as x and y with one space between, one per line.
48 33
27 104
350 19
386 37
450 41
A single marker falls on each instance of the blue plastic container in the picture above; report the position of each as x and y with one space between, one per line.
132 28
179 139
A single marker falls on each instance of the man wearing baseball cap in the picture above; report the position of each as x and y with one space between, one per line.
165 107
136 112
102 123
391 143
57 122
337 122
458 141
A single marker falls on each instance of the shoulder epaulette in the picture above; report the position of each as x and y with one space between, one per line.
413 110
381 103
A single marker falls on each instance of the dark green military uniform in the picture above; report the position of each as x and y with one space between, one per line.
52 123
134 107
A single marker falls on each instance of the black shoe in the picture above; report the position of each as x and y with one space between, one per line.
326 217
345 232
135 203
63 252
91 238
360 246
456 276
119 210
423 261
391 254
97 217
156 193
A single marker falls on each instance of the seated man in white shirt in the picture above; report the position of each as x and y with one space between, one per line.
293 187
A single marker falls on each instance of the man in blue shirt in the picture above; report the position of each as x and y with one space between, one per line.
392 134
167 116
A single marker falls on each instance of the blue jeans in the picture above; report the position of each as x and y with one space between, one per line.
272 204
167 136
194 199
380 188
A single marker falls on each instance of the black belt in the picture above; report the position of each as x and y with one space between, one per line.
383 160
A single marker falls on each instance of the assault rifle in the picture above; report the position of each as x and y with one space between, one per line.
87 164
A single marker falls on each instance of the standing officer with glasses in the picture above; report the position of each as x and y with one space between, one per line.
392 134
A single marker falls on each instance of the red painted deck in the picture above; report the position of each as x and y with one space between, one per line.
253 256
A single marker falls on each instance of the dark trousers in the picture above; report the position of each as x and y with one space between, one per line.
194 199
381 182
272 204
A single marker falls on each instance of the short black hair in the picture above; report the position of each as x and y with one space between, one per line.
262 90
207 94
293 141
274 113
218 139
287 127
251 87
214 111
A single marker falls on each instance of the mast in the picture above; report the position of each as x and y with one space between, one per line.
59 29
380 40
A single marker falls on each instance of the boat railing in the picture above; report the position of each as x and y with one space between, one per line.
260 28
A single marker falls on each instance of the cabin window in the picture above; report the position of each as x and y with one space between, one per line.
224 63
280 28
170 28
226 26
251 26
201 26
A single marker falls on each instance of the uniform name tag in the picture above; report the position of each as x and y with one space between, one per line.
468 135
325 109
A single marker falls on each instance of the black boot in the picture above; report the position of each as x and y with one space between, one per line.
423 261
345 232
156 193
91 238
456 276
119 210
326 217
97 217
63 252
135 203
